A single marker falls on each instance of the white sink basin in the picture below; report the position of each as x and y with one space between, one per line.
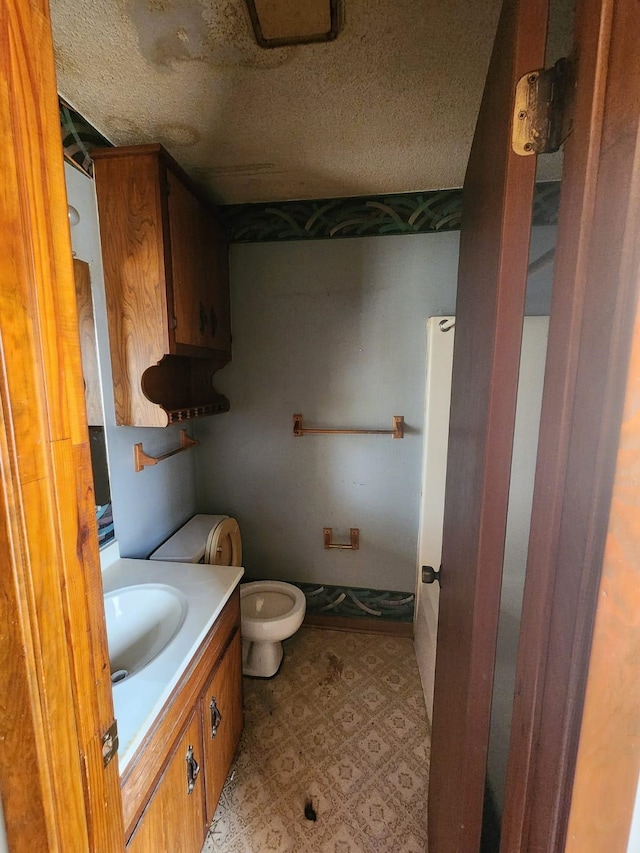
141 622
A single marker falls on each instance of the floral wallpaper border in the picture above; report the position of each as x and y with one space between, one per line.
365 216
321 219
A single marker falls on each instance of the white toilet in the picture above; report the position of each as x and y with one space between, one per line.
271 611
213 539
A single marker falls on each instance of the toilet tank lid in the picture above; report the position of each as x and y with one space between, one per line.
187 544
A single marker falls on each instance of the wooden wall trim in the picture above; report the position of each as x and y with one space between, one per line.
54 675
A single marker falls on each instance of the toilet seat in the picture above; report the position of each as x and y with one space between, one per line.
224 544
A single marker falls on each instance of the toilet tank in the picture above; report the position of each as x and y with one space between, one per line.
188 543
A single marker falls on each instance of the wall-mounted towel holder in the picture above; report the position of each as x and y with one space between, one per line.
142 459
397 431
354 536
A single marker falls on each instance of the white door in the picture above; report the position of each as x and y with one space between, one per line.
440 337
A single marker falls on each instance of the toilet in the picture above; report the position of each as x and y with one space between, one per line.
213 539
271 611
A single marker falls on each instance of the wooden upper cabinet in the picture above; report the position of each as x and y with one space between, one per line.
200 272
165 257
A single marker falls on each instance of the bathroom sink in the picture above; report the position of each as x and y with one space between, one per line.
141 622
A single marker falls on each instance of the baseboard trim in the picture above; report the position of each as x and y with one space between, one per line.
360 626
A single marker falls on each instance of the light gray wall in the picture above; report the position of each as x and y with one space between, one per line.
333 330
149 505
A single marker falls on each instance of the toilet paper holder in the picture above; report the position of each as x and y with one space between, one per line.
354 536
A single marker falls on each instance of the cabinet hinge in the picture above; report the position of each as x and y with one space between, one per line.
110 743
543 110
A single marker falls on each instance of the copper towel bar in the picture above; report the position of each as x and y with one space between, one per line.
397 431
143 459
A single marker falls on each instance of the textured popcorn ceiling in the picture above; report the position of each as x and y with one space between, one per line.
390 106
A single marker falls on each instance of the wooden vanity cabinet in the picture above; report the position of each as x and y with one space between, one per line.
174 817
222 718
159 814
165 258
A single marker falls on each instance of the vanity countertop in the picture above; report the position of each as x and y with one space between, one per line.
139 699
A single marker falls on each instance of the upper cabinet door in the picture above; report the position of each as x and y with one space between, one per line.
494 246
199 269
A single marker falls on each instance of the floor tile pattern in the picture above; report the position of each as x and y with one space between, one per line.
343 725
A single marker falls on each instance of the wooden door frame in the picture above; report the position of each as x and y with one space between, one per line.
594 306
55 691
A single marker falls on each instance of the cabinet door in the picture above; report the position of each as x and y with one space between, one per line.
222 721
174 818
200 272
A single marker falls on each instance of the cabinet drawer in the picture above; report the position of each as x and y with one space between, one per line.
174 819
222 721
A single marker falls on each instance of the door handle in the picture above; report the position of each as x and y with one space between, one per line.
193 768
429 574
204 319
216 716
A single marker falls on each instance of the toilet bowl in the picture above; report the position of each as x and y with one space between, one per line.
272 611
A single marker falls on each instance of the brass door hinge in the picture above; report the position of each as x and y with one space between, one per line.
110 743
543 110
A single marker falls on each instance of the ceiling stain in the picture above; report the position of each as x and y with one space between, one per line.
388 107
66 61
122 126
171 32
172 134
177 134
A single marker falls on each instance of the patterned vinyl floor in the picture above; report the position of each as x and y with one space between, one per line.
342 730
